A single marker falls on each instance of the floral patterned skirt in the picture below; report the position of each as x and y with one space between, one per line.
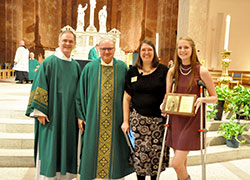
148 133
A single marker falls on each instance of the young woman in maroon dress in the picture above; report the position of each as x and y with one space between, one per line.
183 135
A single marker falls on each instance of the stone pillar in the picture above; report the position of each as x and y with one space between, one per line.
3 33
118 15
9 30
109 6
13 22
73 15
151 7
11 26
194 23
166 27
131 24
65 12
29 24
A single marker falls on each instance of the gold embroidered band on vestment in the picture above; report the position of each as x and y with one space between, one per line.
40 96
105 132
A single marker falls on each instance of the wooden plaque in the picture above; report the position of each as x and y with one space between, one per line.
179 104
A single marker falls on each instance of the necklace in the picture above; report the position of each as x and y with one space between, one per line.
184 68
145 72
187 73
148 71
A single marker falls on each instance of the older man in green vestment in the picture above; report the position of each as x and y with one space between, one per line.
52 102
105 154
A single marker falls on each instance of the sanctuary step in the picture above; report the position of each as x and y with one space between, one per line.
16 140
13 114
16 130
17 158
214 138
219 153
11 125
14 99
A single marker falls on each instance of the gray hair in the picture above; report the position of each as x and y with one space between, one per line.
106 39
67 31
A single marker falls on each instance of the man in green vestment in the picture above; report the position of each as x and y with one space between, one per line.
52 103
33 66
105 154
94 52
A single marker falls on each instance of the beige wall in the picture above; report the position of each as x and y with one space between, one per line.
192 22
239 36
205 20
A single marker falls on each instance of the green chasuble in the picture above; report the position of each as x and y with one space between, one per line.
33 63
53 93
105 153
93 54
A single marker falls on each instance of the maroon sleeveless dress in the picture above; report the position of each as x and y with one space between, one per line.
183 131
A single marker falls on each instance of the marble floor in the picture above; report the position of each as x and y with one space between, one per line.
230 170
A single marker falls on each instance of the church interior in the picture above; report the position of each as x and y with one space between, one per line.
220 29
38 23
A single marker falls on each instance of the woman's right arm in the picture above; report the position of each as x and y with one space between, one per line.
126 104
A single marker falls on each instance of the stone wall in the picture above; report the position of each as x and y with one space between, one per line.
38 23
167 28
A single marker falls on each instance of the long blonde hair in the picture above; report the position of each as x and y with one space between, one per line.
193 62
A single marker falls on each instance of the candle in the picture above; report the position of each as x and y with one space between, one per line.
227 33
157 43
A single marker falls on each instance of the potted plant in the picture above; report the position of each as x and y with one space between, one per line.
223 94
232 131
211 111
240 102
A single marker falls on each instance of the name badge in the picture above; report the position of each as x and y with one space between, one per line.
134 79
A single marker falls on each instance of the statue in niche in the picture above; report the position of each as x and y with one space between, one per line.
80 17
102 19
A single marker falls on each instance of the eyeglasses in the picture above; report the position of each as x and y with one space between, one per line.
104 49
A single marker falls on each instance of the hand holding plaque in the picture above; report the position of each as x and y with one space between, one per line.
179 104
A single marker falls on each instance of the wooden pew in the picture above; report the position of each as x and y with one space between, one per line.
246 79
215 75
6 73
239 77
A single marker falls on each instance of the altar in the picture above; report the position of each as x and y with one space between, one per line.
87 39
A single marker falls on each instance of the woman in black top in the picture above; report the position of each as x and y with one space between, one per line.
145 87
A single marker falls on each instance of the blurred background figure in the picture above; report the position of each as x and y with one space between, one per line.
21 63
94 52
170 63
33 66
